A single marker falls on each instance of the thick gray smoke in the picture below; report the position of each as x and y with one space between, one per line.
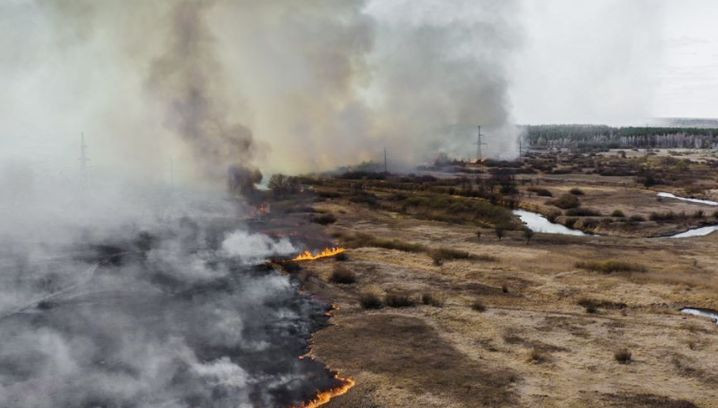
170 316
188 81
291 86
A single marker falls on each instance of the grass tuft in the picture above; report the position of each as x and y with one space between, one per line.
623 356
342 275
432 299
370 301
610 266
399 300
478 306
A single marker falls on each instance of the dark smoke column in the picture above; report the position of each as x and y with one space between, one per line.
187 80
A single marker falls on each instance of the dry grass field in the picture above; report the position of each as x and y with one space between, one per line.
559 321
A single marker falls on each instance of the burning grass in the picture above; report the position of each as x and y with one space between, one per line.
325 253
610 266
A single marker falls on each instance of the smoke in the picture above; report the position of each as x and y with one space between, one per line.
198 86
173 316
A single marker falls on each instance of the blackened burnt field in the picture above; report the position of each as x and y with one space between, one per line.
174 316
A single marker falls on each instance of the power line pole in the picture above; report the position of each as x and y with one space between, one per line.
479 143
385 166
83 158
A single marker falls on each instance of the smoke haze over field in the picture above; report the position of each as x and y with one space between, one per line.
281 85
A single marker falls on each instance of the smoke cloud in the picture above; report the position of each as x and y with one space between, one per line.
291 86
173 316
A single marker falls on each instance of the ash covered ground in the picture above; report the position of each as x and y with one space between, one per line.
175 315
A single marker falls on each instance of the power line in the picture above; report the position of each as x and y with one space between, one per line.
385 165
83 157
479 143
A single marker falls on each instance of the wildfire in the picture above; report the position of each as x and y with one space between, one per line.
309 256
325 396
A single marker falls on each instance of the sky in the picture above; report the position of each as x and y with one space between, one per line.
615 61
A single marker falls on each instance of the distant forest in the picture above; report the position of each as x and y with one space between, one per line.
594 136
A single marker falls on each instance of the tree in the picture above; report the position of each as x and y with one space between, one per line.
528 234
499 232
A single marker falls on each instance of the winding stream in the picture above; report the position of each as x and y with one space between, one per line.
690 200
539 223
698 311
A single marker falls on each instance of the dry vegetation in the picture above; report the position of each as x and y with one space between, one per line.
449 306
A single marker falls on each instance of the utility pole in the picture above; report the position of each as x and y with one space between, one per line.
479 143
83 158
385 166
172 172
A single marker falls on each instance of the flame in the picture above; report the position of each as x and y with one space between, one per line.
327 252
324 397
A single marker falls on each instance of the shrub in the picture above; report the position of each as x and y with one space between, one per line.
439 255
617 213
370 301
342 275
504 288
341 257
478 234
528 234
610 266
589 305
542 192
553 215
715 214
566 201
366 240
636 218
478 306
593 305
582 212
623 356
537 357
499 231
576 191
328 194
399 300
324 219
699 214
432 299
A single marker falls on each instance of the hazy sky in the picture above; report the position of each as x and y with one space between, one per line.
616 61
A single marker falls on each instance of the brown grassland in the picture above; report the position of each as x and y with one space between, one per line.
488 319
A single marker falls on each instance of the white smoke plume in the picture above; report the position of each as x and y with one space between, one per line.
291 86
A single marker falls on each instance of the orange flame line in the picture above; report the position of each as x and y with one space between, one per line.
309 256
324 397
